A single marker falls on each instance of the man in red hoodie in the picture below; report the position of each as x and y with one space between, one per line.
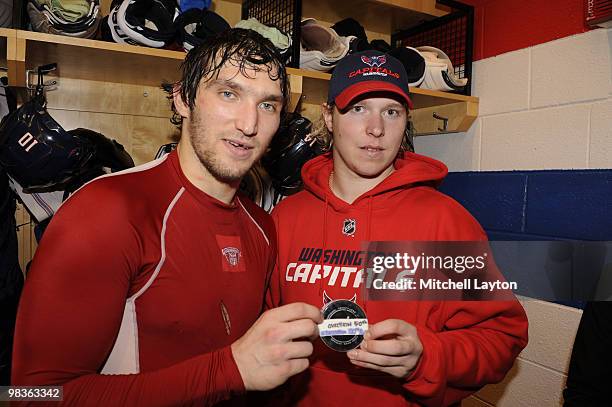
367 189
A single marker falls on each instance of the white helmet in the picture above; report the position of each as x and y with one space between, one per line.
321 48
440 74
148 22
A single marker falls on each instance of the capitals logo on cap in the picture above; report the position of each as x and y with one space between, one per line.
367 72
374 60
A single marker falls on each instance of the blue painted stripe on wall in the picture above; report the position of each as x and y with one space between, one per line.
538 205
554 204
495 199
574 204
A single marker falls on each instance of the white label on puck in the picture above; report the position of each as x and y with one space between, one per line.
337 327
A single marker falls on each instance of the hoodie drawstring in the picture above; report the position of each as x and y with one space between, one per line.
324 246
364 291
369 219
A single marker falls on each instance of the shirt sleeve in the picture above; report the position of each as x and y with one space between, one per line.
71 310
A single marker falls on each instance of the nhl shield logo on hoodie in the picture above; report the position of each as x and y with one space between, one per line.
349 226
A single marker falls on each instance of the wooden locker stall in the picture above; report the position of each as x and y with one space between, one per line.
115 88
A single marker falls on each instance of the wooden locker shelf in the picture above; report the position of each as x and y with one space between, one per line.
380 16
460 110
7 40
107 62
101 61
10 60
79 58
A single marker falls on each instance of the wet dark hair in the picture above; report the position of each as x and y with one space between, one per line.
246 49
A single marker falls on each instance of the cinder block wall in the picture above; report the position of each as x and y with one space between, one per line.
548 106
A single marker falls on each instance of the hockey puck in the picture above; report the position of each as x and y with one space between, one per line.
344 325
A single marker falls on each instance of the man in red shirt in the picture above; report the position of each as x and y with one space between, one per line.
148 285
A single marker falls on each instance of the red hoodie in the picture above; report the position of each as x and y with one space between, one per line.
465 344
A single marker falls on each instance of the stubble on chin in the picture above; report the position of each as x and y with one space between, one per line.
198 139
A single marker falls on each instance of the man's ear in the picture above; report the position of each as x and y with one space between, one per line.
179 104
328 116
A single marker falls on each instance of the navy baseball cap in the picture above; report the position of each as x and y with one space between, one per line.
366 72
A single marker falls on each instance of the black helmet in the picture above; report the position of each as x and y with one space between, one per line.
108 156
195 25
289 150
165 149
36 151
108 153
148 22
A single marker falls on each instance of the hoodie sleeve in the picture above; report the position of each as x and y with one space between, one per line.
478 346
478 341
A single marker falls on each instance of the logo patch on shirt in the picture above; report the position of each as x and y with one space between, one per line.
231 253
349 227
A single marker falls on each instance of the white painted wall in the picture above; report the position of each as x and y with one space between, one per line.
544 107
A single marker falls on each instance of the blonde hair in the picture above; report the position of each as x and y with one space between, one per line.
325 138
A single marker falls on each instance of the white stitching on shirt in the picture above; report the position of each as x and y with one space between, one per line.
256 224
162 245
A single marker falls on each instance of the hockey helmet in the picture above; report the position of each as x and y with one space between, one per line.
289 150
36 151
148 22
108 156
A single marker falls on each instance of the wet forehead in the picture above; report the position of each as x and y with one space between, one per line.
257 81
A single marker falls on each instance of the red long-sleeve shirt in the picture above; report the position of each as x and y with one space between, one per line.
145 278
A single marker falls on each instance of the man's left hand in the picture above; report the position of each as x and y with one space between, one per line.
391 346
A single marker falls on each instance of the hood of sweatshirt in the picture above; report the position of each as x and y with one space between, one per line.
410 170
